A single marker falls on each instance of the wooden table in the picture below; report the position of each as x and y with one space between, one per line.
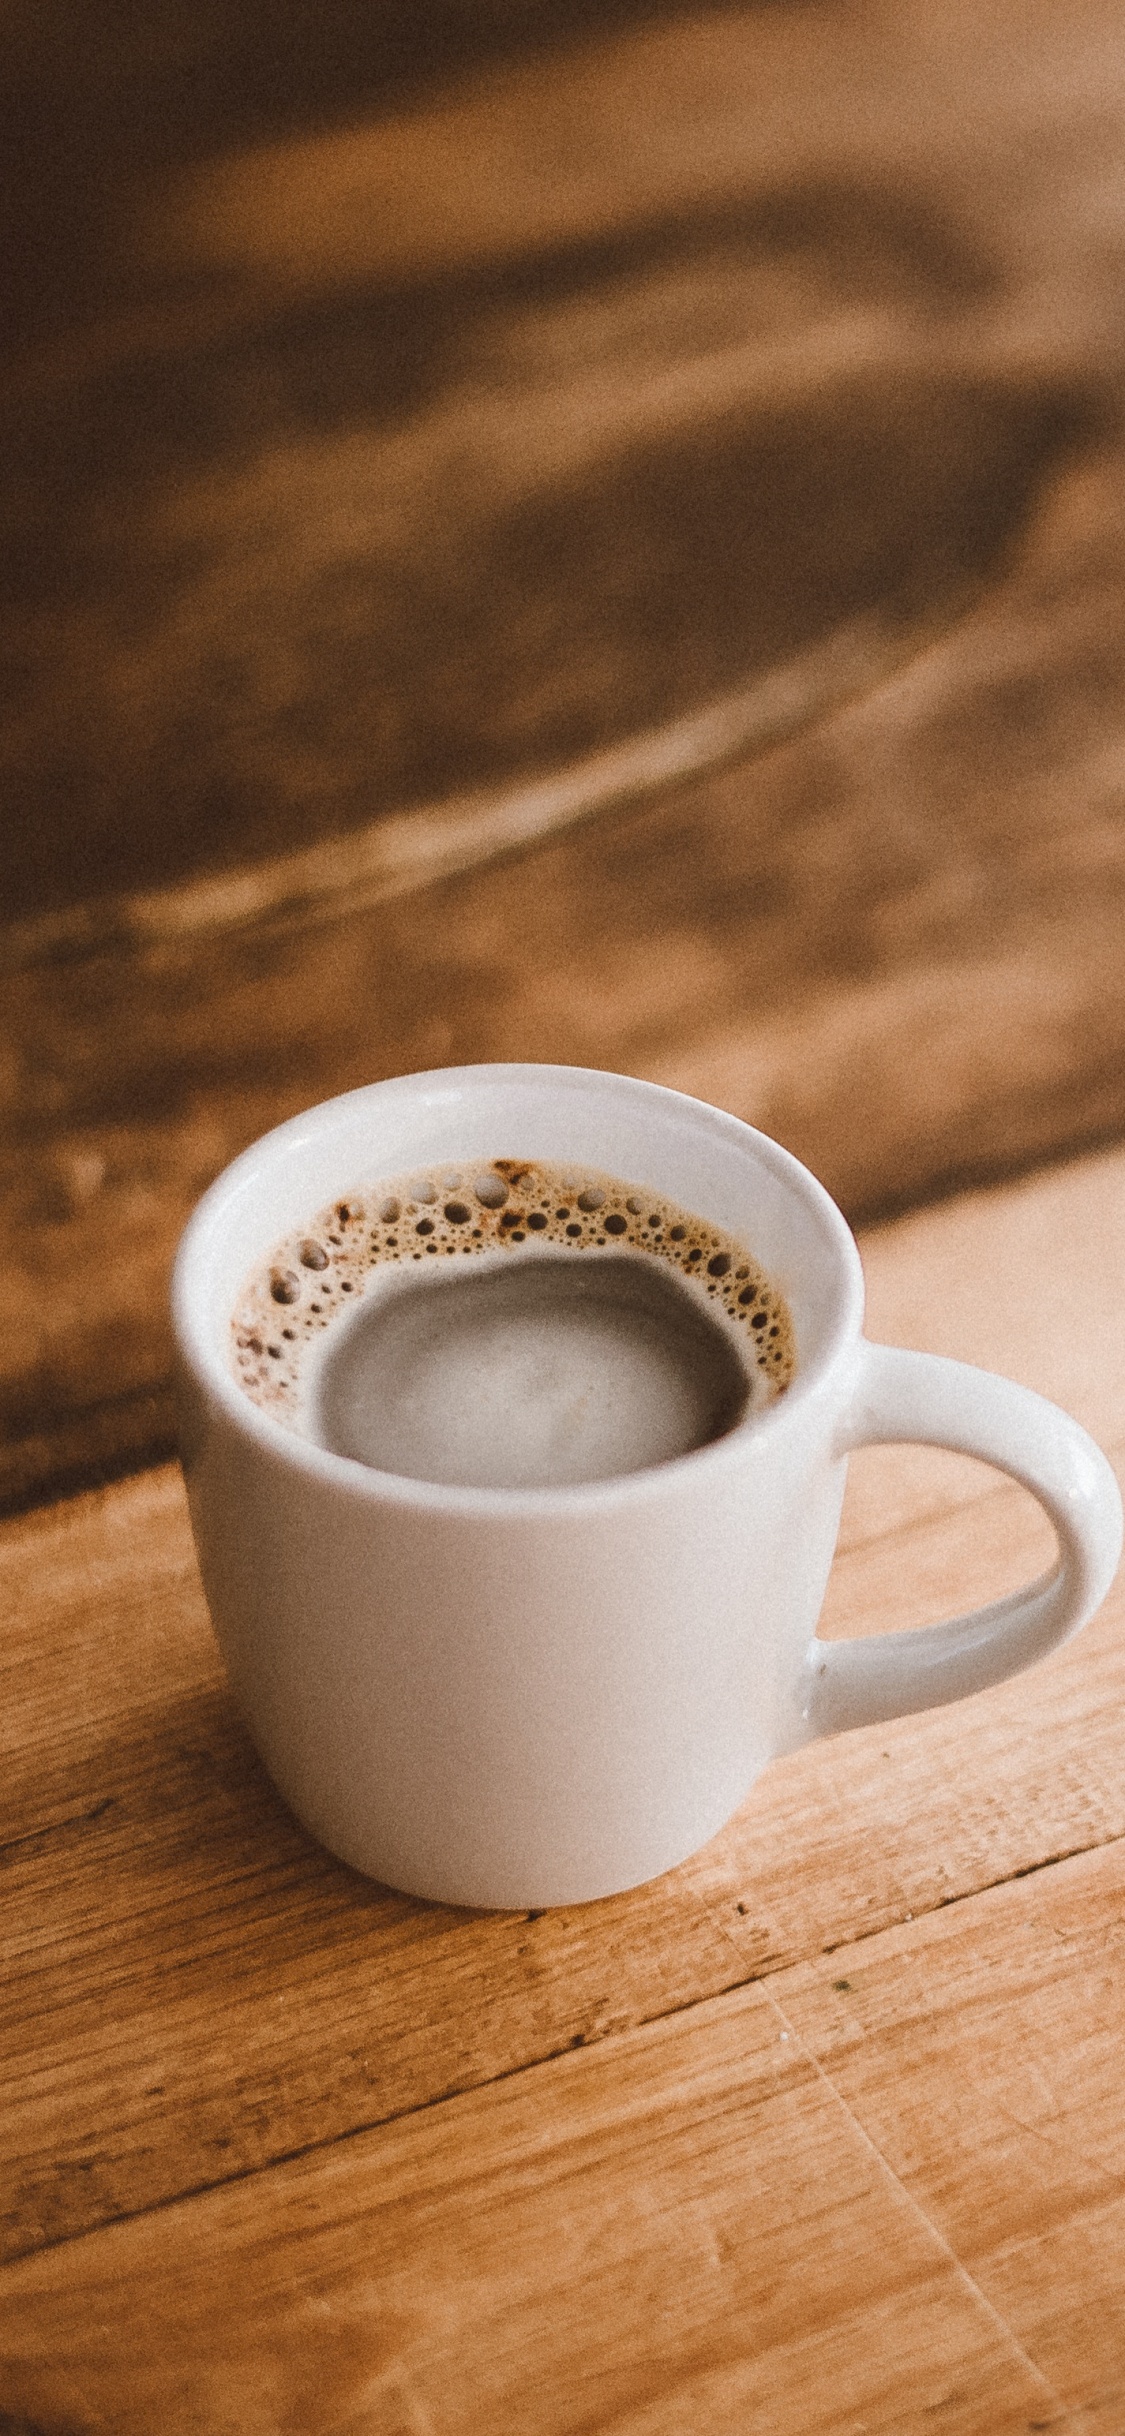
608 546
597 536
821 2133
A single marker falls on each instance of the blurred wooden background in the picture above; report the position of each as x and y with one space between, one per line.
594 534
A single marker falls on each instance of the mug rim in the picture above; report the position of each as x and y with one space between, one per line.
203 1360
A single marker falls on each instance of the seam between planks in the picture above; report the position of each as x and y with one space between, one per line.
968 1894
742 1978
445 2097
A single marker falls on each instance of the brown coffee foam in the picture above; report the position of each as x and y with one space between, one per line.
317 1274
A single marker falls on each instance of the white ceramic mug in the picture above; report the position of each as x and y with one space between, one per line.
535 1696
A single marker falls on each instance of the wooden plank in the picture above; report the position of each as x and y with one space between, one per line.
210 1992
1025 1278
666 121
556 436
418 570
884 1825
87 119
981 2053
191 1987
533 156
682 2229
665 945
894 940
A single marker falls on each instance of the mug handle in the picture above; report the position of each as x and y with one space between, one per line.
935 1402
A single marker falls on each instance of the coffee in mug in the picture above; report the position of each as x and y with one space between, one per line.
511 1324
549 1689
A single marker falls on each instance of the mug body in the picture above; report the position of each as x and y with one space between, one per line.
518 1697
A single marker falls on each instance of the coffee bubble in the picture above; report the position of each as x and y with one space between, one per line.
506 1208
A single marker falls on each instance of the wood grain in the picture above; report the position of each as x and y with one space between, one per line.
596 538
814 943
193 1991
206 1990
348 547
981 2054
681 2229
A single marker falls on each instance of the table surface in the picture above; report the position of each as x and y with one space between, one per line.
593 535
601 541
820 2132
